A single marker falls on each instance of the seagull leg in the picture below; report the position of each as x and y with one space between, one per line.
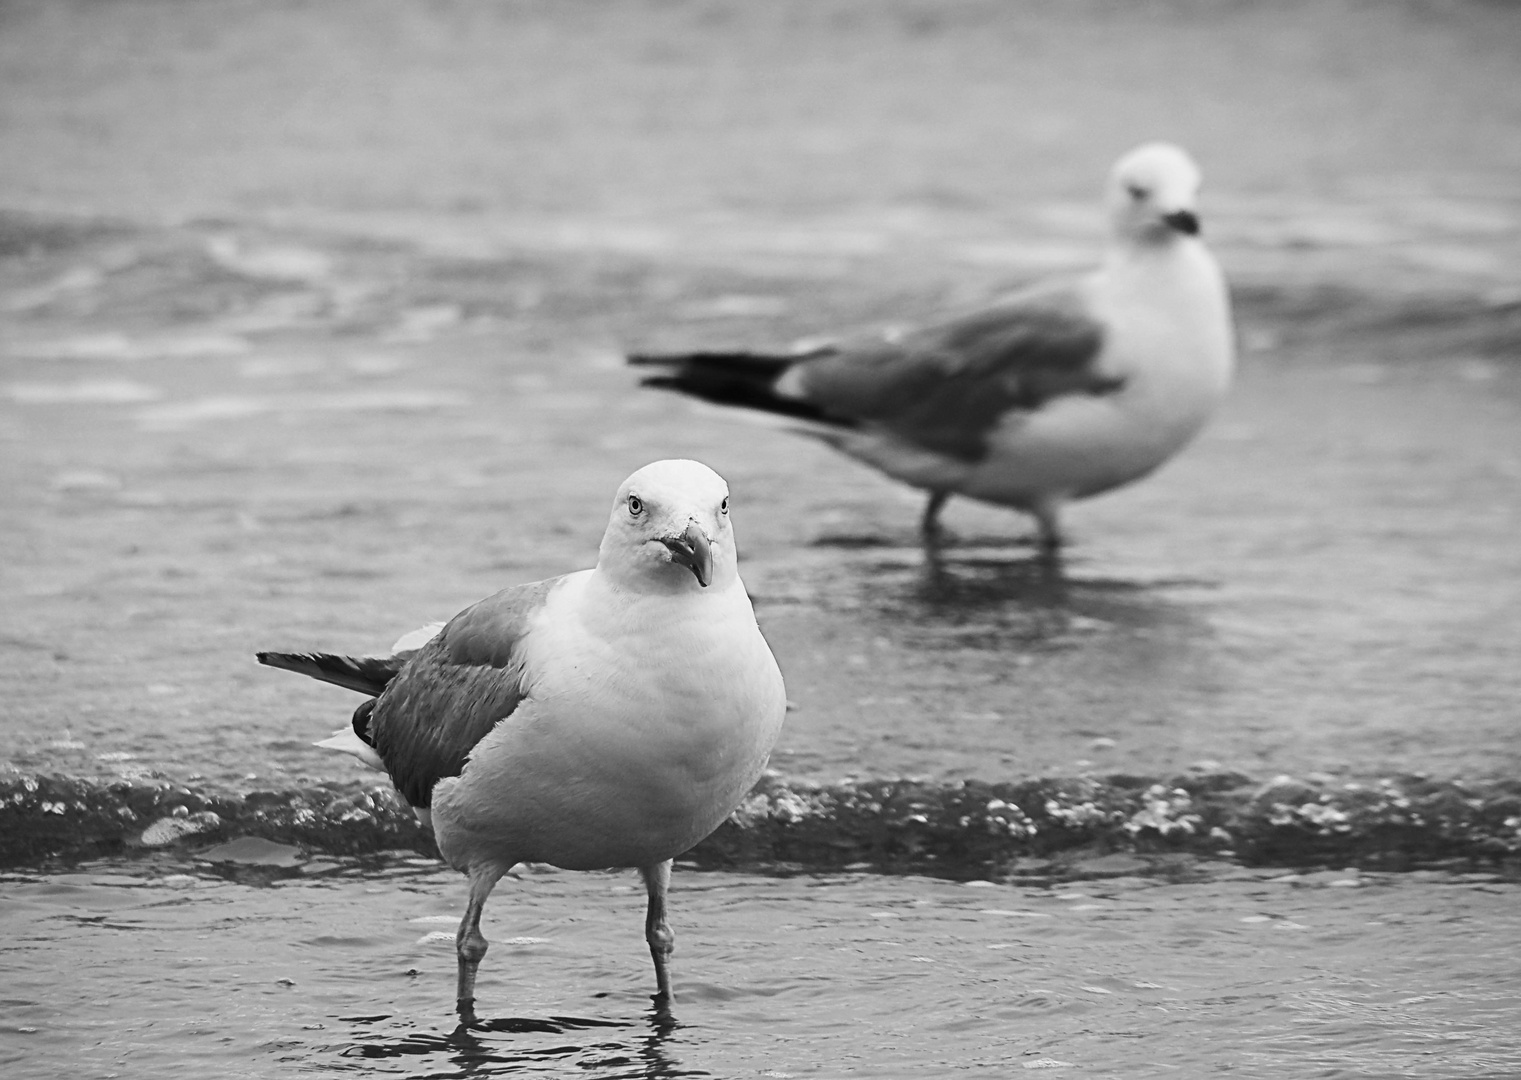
1050 538
470 943
657 879
929 524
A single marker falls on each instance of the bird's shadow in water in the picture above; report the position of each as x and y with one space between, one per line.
499 1046
949 581
1007 593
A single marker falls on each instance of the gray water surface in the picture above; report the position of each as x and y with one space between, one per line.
1326 581
166 969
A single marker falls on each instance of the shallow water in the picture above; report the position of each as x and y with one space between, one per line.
231 434
170 969
1326 581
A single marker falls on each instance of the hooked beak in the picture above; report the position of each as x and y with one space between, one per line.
1184 221
691 549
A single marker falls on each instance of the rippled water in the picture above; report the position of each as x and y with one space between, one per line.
169 969
1326 581
228 435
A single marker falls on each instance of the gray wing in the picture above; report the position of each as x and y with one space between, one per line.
945 387
454 691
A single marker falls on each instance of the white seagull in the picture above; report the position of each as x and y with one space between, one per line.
1060 391
608 718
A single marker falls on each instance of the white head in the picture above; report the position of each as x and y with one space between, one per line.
669 530
1153 194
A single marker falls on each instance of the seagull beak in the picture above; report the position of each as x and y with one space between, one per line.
1184 221
691 549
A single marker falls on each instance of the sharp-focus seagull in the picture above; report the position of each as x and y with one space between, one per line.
1058 392
608 718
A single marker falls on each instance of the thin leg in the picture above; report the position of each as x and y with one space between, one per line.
657 879
470 943
929 524
1050 538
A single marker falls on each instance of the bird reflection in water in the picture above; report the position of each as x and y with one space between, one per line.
506 1045
990 596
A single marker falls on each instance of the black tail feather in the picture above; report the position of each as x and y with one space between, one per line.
366 674
761 366
738 378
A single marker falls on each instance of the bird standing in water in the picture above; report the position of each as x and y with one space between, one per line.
1058 392
607 718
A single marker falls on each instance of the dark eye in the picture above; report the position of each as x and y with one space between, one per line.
635 505
723 507
1137 192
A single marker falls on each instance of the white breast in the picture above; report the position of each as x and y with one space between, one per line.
1168 336
646 722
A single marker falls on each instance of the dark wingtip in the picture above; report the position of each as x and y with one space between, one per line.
365 674
747 380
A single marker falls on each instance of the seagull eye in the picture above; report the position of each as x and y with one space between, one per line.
635 506
723 507
1137 192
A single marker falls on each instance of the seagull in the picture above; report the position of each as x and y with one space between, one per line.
611 717
1060 391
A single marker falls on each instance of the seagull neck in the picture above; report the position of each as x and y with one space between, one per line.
669 582
1152 264
1148 248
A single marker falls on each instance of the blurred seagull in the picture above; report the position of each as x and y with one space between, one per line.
1058 392
608 718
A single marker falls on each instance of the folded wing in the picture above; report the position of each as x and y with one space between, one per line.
946 387
456 688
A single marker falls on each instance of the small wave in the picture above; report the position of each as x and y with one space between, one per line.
967 830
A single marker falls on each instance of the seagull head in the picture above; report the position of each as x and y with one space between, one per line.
669 530
1153 194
